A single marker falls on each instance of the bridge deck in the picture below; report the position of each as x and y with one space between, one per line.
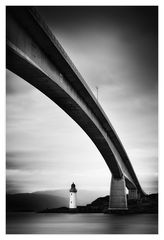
29 42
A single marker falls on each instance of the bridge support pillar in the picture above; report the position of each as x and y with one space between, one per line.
118 199
133 194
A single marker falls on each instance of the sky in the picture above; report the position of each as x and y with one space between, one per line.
116 49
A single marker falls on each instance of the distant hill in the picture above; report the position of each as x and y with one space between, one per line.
83 196
52 199
33 201
37 201
147 204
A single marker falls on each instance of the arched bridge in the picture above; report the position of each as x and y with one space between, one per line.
34 54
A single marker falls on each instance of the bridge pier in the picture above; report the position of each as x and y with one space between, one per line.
118 199
133 194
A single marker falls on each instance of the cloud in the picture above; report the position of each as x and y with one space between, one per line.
12 88
121 40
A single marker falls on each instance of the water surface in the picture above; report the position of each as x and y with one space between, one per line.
54 223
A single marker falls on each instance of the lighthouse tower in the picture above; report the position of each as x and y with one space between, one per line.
72 201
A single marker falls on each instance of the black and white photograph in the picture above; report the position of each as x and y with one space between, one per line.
81 119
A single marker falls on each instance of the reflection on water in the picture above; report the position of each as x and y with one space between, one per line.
24 223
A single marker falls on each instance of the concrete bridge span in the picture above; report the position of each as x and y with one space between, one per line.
34 54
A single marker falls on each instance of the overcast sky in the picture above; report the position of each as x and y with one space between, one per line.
114 48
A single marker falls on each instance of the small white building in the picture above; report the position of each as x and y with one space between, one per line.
72 201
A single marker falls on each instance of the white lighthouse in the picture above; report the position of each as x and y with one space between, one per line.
72 201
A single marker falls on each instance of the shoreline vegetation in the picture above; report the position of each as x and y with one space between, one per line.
148 204
48 204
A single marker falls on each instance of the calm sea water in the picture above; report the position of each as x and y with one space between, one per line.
50 223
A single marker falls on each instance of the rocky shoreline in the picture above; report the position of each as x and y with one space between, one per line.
148 204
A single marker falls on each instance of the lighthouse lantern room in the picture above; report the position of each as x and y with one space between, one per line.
72 201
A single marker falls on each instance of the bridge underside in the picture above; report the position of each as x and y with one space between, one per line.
35 55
